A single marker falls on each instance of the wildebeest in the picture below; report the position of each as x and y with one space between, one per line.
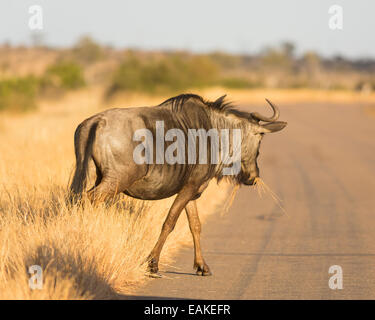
107 139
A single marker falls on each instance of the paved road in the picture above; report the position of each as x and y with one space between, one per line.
323 167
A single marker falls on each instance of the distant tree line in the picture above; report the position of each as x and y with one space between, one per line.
155 72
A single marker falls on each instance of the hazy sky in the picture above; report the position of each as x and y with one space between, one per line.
205 25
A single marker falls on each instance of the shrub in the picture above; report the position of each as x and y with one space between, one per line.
18 94
64 75
172 73
87 50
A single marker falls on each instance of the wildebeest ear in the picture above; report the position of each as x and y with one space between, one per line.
220 100
272 127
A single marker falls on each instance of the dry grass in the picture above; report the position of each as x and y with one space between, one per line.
90 253
85 253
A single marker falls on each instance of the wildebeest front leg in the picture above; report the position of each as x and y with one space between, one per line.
200 265
178 205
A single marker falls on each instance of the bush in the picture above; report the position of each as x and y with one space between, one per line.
63 75
18 94
87 50
168 74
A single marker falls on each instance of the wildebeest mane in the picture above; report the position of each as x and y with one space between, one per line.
220 105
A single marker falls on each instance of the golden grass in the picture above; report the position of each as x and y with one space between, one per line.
85 253
90 253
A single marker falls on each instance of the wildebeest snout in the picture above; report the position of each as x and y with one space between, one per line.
251 181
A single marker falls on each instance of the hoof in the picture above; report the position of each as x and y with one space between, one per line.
203 270
153 266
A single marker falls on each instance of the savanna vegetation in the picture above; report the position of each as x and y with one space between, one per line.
29 73
85 252
91 252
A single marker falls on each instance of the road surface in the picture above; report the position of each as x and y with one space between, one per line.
323 167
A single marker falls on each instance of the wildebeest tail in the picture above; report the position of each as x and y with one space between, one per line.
84 138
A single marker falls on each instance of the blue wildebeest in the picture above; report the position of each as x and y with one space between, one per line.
108 139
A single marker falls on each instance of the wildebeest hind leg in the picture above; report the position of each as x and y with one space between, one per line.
108 186
105 190
200 265
184 196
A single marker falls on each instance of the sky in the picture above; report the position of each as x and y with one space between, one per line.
236 26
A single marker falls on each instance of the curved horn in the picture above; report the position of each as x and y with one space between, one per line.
275 116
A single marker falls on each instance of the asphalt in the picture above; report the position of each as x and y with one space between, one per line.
323 168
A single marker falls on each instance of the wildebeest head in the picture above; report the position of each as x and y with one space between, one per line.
255 132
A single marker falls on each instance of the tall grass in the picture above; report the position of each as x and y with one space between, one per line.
85 252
